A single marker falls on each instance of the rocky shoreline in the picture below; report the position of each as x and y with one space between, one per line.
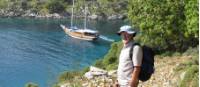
29 14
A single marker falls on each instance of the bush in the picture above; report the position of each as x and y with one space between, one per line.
99 63
167 53
84 71
191 69
56 6
191 77
110 60
68 76
165 24
3 3
30 84
191 51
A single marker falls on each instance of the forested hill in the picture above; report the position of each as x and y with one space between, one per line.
115 9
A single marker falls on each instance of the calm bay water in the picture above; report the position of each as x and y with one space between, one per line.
37 50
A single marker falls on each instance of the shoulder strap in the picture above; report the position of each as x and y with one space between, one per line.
131 50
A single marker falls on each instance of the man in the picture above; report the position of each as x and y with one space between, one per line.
129 68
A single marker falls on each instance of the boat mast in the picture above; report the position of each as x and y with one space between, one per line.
85 21
72 15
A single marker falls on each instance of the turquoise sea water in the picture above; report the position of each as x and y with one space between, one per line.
37 50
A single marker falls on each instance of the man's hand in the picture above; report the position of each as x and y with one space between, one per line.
133 83
116 84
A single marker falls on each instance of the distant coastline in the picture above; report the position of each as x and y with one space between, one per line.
97 10
29 14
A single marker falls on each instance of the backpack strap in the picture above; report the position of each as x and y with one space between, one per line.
131 50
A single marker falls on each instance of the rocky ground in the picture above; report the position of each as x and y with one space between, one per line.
164 76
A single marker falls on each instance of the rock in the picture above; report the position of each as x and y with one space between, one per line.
121 17
85 84
112 73
93 17
10 14
32 15
65 85
40 16
56 15
112 17
94 71
88 75
116 16
182 75
97 71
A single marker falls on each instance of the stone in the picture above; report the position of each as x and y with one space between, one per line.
112 17
182 75
56 15
32 15
93 17
97 71
88 75
121 17
112 73
65 85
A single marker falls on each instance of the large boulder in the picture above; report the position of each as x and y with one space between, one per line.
95 72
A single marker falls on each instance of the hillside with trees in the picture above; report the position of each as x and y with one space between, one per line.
166 25
44 8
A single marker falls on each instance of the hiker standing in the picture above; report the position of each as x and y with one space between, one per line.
129 68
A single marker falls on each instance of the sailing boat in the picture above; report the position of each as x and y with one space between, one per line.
83 34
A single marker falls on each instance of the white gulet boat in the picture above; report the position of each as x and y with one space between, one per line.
80 33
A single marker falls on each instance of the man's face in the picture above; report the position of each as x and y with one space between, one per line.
126 37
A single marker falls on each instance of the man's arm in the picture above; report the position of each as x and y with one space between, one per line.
135 76
137 61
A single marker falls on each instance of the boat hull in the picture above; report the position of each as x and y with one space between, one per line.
78 35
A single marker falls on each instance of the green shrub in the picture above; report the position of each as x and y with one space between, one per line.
191 77
167 53
3 3
191 51
99 63
191 68
68 76
176 54
30 84
56 6
166 24
112 66
86 69
110 60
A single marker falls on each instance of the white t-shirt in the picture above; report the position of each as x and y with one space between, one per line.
126 64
